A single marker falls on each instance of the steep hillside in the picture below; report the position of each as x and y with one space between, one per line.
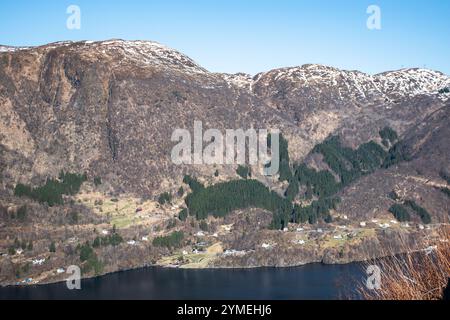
109 108
86 175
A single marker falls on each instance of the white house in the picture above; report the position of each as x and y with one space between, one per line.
266 246
38 262
362 224
131 242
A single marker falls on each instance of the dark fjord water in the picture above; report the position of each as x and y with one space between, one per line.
314 281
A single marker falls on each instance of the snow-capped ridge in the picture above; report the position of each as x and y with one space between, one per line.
141 53
11 48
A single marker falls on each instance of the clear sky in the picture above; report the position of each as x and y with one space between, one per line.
251 35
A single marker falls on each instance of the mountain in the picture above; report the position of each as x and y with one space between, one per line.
108 109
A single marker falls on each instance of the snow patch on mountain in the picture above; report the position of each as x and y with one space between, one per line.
11 49
355 85
148 53
240 80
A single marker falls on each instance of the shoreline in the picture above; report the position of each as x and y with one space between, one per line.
155 266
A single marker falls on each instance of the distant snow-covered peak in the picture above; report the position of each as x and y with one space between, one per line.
240 80
411 82
141 53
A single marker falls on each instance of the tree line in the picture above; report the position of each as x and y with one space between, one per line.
220 199
53 190
402 211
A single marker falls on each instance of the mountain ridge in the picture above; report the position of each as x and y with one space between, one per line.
311 101
105 112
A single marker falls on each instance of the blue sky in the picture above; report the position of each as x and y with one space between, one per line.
251 35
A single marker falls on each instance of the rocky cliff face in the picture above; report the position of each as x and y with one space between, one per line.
109 109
